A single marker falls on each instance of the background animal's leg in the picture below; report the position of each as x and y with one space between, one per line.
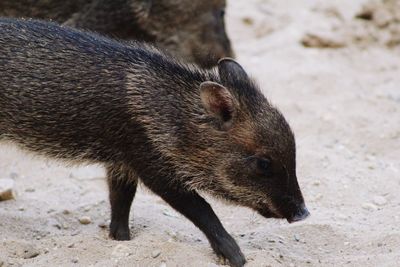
196 209
122 183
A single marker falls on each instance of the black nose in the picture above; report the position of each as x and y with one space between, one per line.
300 214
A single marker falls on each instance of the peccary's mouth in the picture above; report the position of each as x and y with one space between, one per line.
269 214
301 214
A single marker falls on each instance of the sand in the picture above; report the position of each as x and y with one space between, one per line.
343 102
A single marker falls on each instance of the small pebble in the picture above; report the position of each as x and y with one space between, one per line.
30 190
379 200
74 233
85 220
296 238
316 183
66 212
248 21
53 222
7 189
30 252
102 225
75 260
169 214
172 234
156 253
321 41
369 206
71 245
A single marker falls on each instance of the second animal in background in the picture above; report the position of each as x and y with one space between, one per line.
191 30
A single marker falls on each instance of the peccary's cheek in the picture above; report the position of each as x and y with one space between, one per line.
239 176
212 43
222 46
224 41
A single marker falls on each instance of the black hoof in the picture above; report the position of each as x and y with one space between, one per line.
120 233
227 249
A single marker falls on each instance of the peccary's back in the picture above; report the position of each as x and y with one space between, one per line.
63 92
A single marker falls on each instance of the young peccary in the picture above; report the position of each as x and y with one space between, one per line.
81 97
193 30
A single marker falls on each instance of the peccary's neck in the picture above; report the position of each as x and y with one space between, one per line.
164 95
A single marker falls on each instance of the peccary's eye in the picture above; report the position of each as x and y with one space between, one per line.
222 13
263 166
259 166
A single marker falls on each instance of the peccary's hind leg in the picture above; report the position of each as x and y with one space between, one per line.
196 209
122 183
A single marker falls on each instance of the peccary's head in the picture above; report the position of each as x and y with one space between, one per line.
193 30
255 165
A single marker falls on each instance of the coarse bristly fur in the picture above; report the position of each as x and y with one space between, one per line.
191 29
81 97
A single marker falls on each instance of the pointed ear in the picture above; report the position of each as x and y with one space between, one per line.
229 70
218 102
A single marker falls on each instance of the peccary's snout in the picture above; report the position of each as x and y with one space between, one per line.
299 215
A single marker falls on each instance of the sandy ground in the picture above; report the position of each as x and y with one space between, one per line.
344 106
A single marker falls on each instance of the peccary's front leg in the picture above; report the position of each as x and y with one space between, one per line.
122 183
196 209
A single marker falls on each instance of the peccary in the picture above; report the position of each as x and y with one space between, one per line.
145 116
193 30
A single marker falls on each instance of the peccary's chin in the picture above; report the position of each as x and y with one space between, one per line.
266 213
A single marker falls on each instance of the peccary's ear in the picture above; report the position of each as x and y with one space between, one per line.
229 70
218 102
